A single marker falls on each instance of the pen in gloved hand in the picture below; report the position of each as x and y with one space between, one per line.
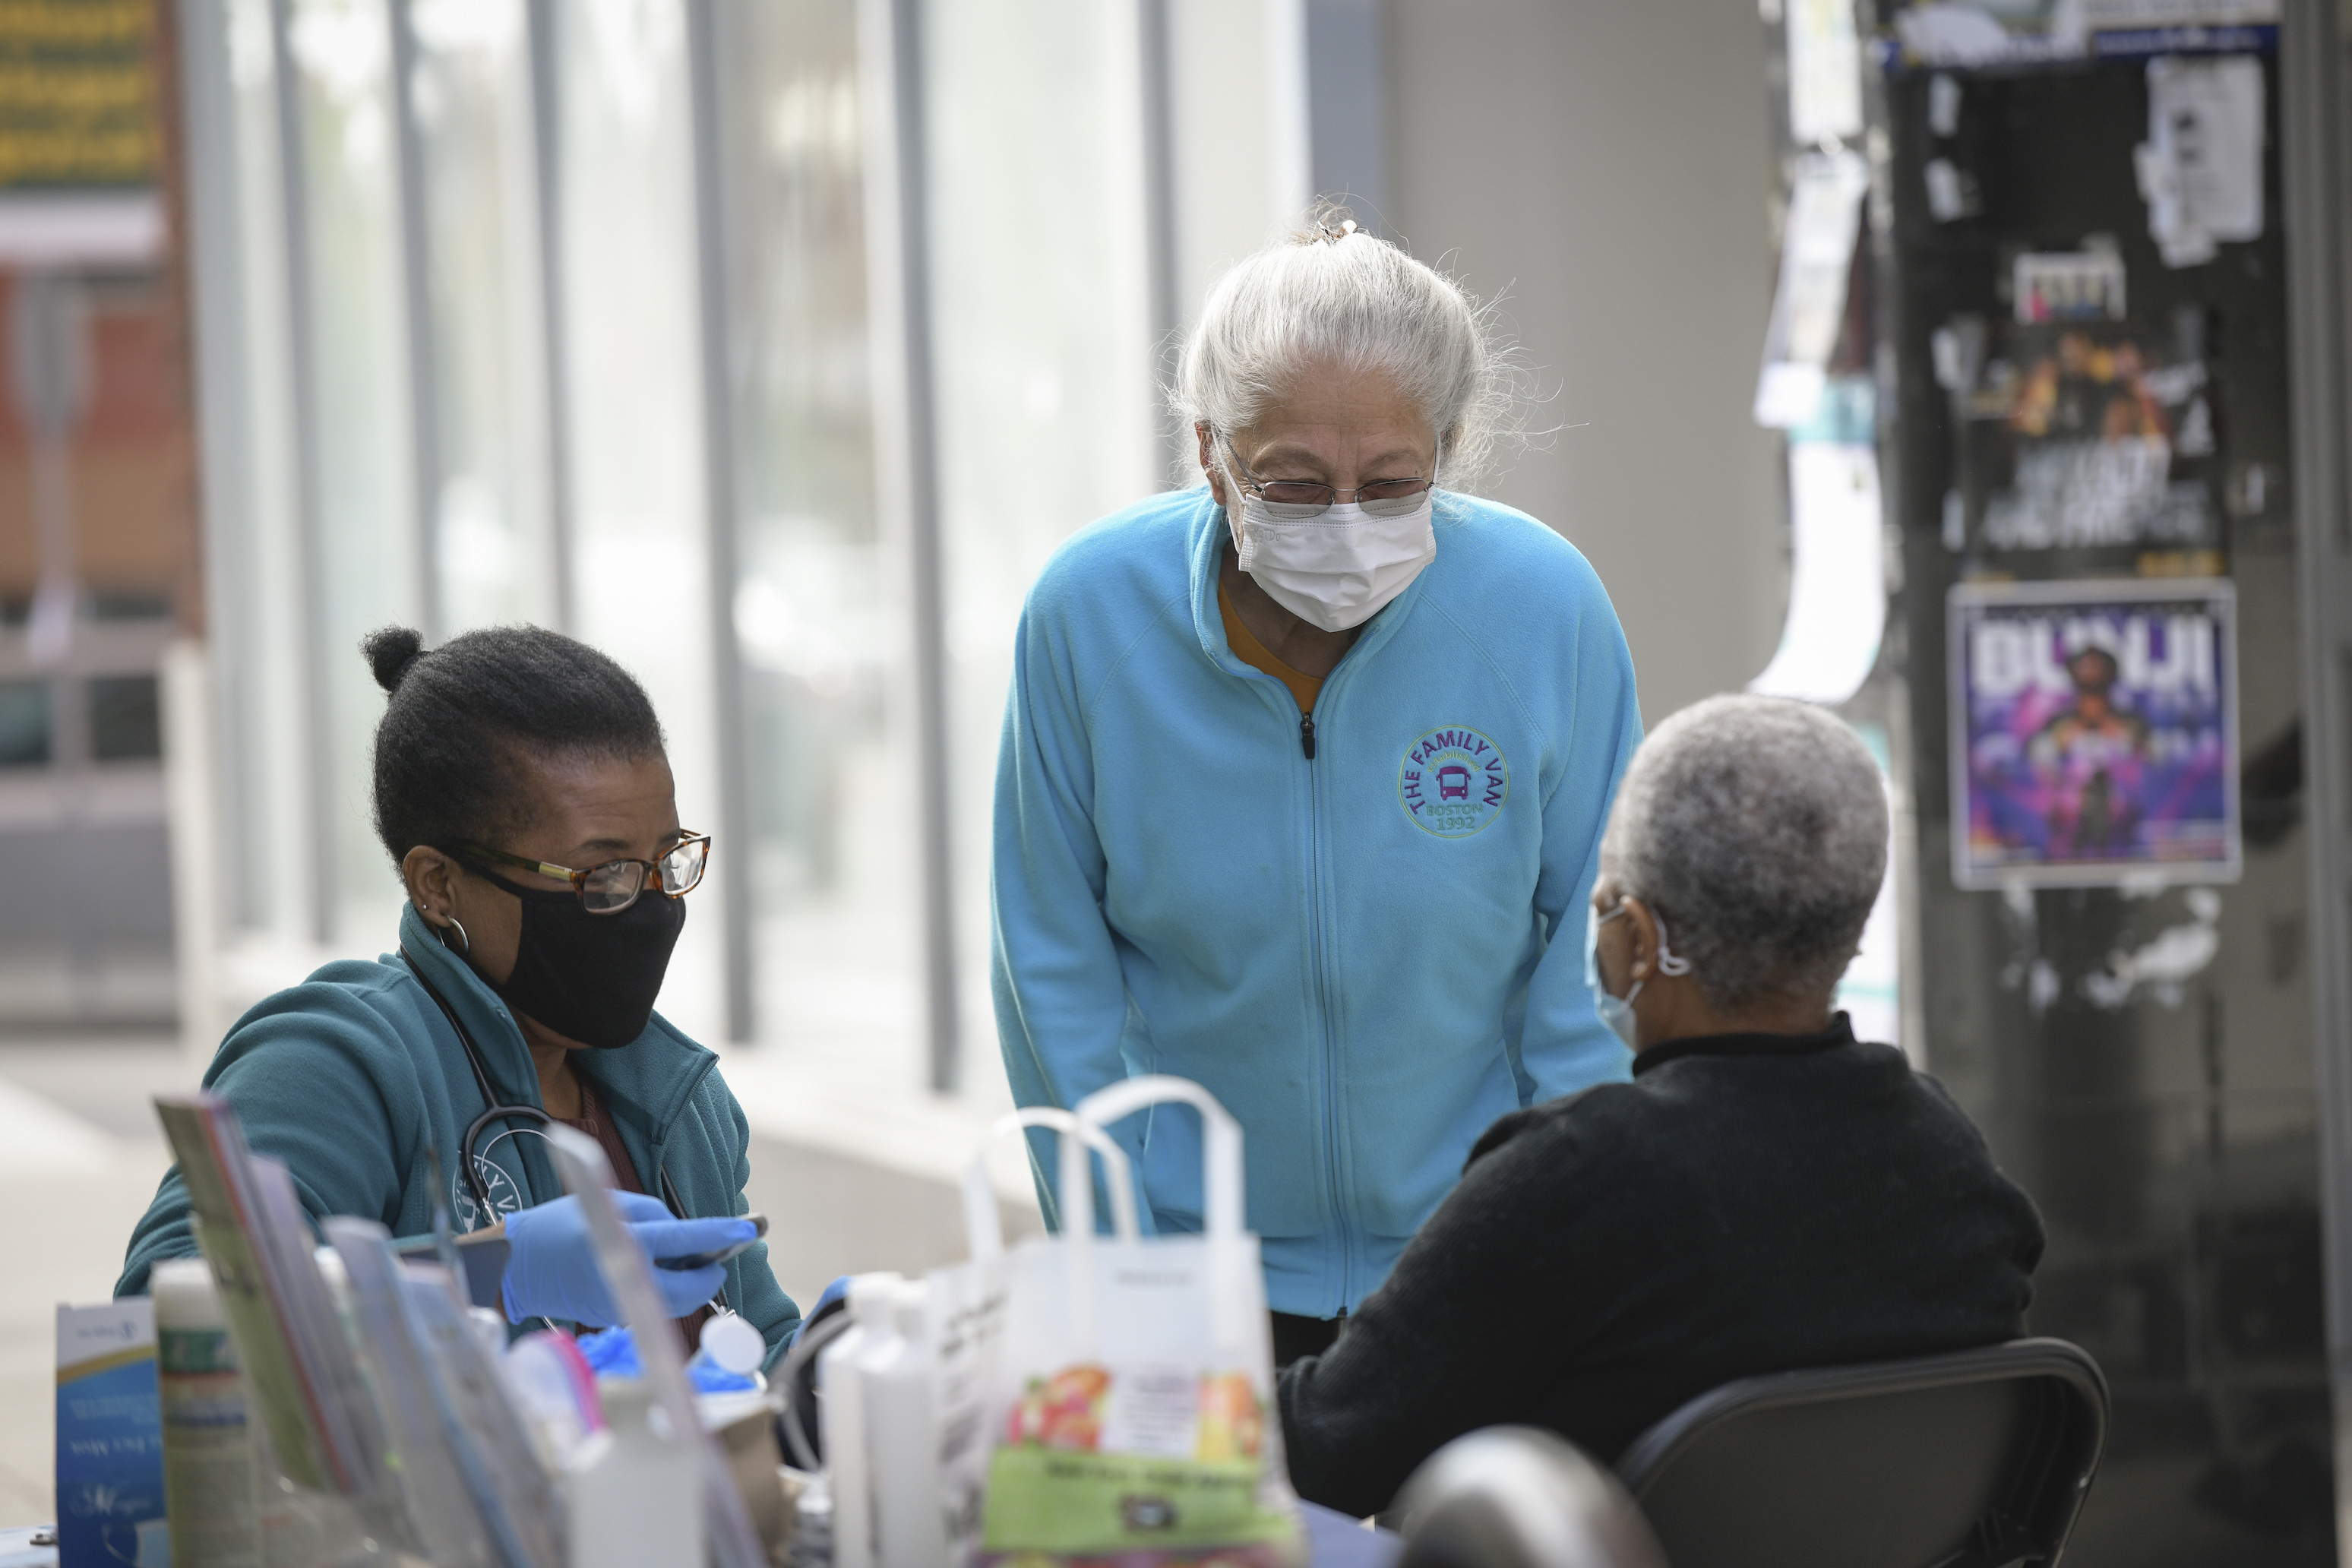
552 1263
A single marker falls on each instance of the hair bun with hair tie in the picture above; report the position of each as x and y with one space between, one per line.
390 650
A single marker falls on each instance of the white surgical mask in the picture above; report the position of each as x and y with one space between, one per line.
1337 568
1617 1012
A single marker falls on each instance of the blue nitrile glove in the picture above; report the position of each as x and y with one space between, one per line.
551 1265
613 1354
835 1295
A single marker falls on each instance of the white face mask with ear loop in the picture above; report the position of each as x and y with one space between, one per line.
1617 1012
1339 567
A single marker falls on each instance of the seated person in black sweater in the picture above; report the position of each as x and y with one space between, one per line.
1765 1195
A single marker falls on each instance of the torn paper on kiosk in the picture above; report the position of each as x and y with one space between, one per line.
1837 585
1809 306
1824 72
2200 169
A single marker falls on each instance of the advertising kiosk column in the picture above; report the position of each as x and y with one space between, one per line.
2097 441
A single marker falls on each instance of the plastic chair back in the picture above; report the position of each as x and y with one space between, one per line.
1975 1459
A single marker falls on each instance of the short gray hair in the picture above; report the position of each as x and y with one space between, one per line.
1755 828
1332 292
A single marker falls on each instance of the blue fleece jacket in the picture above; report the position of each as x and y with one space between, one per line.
356 1080
1367 956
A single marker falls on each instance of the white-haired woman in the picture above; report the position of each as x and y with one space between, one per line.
1304 774
1767 1194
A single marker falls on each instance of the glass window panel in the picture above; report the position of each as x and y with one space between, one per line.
829 756
633 394
364 539
263 656
1237 142
493 557
125 723
1044 381
24 724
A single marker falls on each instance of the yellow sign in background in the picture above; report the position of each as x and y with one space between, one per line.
77 94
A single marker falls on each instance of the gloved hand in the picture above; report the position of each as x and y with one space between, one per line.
551 1264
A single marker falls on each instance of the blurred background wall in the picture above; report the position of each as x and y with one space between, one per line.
1623 223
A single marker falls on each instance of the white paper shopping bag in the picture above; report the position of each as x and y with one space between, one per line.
1135 1378
966 1316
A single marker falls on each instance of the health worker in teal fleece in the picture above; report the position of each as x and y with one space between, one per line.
523 790
1304 774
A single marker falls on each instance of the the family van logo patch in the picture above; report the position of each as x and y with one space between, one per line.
1453 782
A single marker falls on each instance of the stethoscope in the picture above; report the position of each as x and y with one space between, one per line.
468 1153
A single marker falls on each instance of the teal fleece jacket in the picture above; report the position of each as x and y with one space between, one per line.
356 1080
1368 954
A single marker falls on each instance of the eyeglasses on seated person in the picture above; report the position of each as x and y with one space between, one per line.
613 886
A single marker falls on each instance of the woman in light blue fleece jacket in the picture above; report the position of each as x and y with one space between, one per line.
1303 779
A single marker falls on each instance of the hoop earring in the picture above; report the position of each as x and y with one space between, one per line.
469 948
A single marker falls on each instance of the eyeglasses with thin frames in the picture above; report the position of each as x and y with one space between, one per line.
609 888
1300 499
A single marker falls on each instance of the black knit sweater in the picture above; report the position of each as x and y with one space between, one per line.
1748 1203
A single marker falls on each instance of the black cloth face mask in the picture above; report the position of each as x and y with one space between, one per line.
591 978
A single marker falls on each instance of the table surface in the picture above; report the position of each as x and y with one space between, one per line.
1334 1540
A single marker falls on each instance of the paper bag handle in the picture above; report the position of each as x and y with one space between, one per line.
985 1230
1229 1328
1221 1174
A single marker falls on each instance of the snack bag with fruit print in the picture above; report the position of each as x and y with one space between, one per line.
1135 1379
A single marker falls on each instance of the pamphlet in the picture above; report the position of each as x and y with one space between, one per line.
494 1450
109 1438
297 1363
588 1175
432 1482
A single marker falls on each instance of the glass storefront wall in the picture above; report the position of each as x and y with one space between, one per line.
818 609
472 368
1043 355
266 455
347 201
491 514
632 393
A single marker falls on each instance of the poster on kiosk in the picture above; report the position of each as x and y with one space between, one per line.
2095 732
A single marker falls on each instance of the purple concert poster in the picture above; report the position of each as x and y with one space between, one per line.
2095 732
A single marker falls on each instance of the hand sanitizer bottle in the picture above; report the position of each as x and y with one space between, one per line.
840 1395
635 1496
903 1436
